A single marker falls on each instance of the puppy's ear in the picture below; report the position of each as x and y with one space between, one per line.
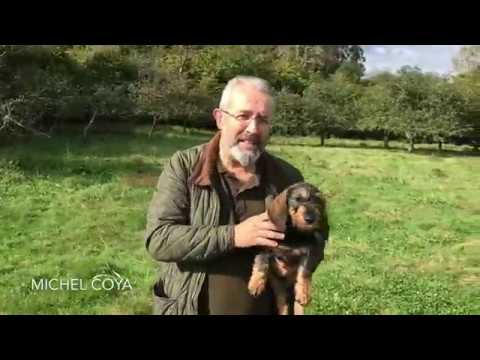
268 201
277 209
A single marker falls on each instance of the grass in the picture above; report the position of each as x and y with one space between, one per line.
405 227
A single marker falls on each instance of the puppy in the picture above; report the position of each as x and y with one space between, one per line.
301 210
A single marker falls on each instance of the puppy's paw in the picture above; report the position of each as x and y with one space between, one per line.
257 284
303 293
281 268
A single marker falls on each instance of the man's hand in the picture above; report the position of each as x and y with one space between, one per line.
257 231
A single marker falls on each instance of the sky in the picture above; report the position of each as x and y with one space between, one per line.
430 58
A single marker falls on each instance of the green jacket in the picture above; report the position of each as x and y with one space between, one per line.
183 223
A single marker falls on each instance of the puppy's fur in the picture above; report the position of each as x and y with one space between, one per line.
301 211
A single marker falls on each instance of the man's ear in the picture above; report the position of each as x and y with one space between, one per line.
277 209
218 116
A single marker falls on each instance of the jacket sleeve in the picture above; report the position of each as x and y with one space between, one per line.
169 237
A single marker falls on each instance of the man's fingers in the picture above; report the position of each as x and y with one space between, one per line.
270 226
265 242
272 235
264 216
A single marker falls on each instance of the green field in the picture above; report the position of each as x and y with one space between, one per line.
405 235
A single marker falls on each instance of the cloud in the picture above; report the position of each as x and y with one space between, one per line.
379 50
405 52
430 58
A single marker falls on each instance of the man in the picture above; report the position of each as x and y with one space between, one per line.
207 216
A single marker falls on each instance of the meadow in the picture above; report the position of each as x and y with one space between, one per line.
405 228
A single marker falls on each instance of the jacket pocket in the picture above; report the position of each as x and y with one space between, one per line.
162 304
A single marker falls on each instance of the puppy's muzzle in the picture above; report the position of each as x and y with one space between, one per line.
309 218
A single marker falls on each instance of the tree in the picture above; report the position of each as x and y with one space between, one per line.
289 75
468 85
32 79
318 108
289 114
320 87
446 108
24 113
351 72
329 105
167 96
179 59
222 63
109 102
326 59
411 90
424 106
378 107
468 59
152 97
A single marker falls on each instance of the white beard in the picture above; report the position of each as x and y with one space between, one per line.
245 158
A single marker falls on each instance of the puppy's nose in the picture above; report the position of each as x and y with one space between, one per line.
309 218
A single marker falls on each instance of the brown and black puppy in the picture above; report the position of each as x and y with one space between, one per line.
301 210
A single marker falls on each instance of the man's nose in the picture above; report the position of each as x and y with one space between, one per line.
252 127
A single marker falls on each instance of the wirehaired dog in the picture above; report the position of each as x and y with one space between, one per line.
301 211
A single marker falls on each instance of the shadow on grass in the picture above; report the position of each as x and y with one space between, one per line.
135 158
115 145
98 168
398 149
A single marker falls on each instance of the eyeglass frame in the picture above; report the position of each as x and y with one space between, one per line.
263 121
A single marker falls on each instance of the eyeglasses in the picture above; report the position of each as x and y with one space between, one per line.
245 118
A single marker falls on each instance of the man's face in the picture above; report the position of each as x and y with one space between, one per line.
245 124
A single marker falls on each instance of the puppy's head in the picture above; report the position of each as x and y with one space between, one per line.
301 206
306 207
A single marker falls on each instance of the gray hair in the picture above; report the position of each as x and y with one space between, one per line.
258 83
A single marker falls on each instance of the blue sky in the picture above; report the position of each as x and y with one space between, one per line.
430 58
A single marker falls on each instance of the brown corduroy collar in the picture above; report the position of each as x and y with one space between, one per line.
207 164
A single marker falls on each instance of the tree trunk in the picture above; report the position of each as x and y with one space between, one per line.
4 125
440 145
184 125
411 141
322 140
385 141
154 125
411 147
184 59
89 125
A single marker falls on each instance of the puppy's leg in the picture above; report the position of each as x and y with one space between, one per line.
281 295
298 309
303 286
258 280
308 264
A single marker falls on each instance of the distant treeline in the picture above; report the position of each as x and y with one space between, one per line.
321 91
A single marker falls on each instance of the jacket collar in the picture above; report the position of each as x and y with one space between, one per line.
204 168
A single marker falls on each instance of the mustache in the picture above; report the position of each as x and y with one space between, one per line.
254 139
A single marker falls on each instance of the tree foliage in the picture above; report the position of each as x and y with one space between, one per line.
321 89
